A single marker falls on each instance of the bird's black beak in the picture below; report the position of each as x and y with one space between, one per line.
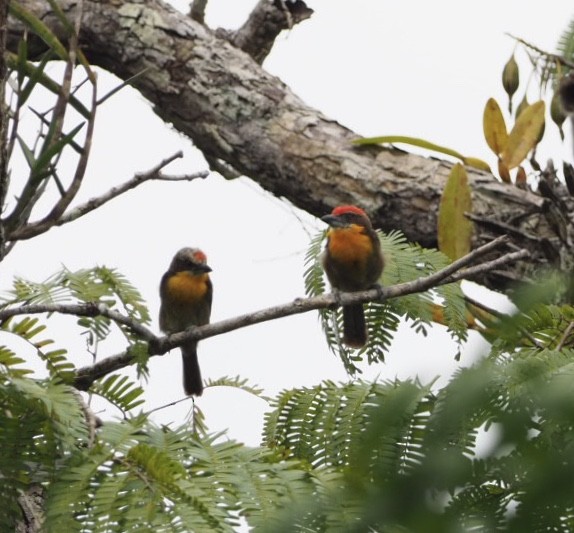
334 221
202 268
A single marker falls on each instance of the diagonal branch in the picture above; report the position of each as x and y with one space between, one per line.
460 269
31 230
161 345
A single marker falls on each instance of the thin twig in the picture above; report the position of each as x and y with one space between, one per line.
32 230
170 404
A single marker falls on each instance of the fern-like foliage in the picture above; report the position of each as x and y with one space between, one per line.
100 284
28 328
565 46
403 262
141 477
40 425
110 287
396 456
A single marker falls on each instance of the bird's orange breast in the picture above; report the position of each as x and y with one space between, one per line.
349 245
186 287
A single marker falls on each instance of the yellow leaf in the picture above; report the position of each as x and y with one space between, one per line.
524 134
454 229
494 127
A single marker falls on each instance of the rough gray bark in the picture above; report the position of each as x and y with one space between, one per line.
236 112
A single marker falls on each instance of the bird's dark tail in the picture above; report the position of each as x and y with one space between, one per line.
354 328
192 383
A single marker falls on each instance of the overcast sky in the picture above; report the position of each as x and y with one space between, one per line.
414 68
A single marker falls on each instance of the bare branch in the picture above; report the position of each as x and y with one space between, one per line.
268 18
83 309
155 173
197 10
161 345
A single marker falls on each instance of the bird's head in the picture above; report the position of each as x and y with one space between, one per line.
344 216
190 259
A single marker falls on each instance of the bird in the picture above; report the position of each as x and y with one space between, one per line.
186 293
353 261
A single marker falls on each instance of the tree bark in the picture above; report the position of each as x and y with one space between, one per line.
236 112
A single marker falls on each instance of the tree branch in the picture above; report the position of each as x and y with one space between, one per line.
85 376
197 10
31 230
89 309
268 18
236 112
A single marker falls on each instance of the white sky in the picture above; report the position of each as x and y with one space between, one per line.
414 68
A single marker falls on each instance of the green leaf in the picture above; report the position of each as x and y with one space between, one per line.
40 165
39 28
30 70
454 229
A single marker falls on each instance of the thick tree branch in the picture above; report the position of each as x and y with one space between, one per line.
268 18
197 10
237 113
159 345
33 229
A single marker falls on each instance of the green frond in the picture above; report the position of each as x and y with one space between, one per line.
455 311
238 383
383 321
50 291
313 274
119 391
9 360
139 353
107 286
141 477
404 262
128 295
39 425
480 509
322 425
565 46
28 328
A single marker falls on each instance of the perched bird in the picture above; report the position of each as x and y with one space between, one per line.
186 293
353 261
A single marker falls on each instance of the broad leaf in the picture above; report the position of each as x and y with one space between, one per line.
454 229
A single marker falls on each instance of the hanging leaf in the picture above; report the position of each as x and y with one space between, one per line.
454 229
524 134
494 127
